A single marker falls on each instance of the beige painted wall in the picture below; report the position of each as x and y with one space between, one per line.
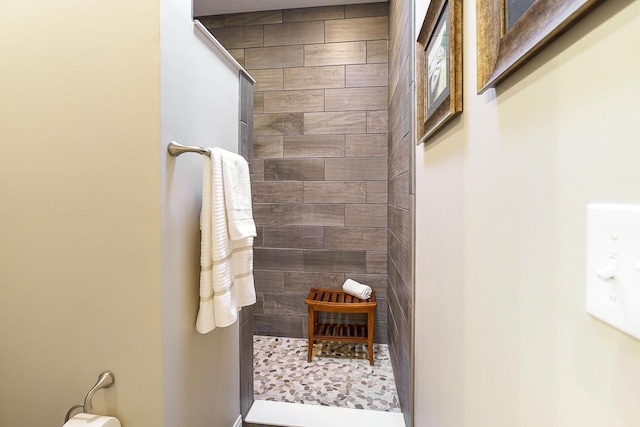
99 240
502 337
79 219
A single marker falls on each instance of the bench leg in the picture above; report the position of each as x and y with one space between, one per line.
370 331
311 321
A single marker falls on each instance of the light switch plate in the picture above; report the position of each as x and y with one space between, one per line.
613 265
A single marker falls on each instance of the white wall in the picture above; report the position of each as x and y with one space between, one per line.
502 337
199 106
79 210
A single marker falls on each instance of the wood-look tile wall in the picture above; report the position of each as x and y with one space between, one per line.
320 165
400 208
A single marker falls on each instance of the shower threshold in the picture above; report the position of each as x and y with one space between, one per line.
294 415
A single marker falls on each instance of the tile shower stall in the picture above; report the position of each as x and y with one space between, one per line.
320 153
331 155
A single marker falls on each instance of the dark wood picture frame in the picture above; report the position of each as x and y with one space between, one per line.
501 52
436 106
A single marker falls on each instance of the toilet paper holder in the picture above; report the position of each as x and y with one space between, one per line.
105 380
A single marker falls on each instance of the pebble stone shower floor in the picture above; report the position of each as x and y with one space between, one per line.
339 375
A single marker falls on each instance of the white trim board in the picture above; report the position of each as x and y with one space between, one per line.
304 415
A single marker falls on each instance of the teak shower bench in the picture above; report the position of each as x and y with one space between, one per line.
337 301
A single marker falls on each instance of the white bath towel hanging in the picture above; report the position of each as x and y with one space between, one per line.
226 277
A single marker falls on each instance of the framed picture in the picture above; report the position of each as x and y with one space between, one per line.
509 32
439 67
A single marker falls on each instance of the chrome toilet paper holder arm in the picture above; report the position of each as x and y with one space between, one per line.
105 380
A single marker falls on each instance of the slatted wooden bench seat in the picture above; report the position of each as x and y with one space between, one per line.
337 301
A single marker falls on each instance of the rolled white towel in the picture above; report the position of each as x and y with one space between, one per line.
356 289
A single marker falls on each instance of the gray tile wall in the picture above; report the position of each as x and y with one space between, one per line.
320 169
246 119
400 294
246 360
246 315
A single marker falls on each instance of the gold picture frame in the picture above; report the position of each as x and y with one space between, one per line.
501 51
439 67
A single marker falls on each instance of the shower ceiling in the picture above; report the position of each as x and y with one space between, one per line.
218 7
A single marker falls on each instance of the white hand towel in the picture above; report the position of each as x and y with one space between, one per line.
237 195
356 289
242 229
217 301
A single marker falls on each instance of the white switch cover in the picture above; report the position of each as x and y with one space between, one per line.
613 265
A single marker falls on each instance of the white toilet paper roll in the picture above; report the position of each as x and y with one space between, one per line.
90 420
